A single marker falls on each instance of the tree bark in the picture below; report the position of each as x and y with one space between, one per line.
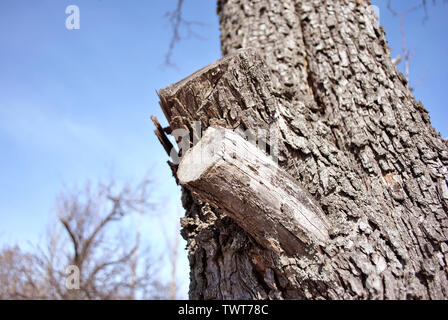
320 75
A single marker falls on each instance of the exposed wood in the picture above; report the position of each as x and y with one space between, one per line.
237 177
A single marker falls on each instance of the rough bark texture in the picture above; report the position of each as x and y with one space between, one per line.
320 73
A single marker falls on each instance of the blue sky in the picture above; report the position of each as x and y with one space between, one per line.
428 40
75 105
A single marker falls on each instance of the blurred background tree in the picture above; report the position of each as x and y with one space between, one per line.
89 234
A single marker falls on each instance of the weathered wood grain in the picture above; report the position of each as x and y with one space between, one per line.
234 175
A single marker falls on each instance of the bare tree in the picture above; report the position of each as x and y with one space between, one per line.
19 279
172 243
90 246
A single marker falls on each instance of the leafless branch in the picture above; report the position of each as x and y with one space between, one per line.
400 15
177 22
85 236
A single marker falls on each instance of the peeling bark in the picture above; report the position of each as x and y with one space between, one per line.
319 75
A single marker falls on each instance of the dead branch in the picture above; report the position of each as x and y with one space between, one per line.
408 55
177 22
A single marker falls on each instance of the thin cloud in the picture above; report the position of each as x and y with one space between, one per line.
46 129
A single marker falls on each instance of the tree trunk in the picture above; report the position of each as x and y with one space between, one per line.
320 76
